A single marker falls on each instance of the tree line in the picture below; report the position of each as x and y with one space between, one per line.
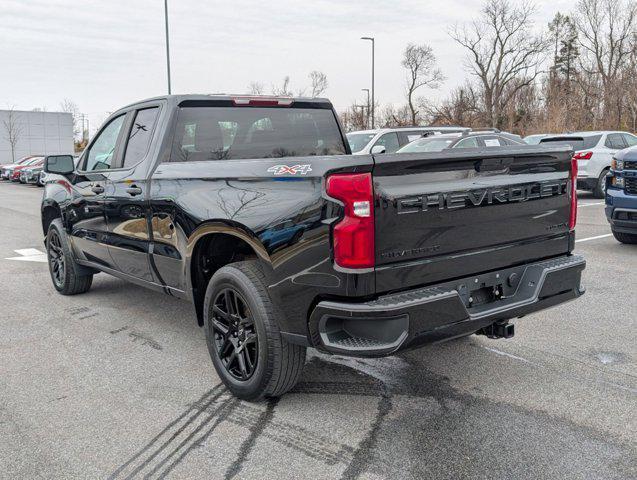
578 73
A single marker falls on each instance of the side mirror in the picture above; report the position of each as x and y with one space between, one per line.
378 149
60 164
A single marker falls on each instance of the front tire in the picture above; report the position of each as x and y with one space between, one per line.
600 187
62 266
243 337
629 238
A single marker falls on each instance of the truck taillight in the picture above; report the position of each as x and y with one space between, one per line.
583 155
573 216
354 235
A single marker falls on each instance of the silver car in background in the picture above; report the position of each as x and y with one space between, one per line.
389 140
594 153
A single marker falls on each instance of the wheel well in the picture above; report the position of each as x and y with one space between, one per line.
212 252
48 215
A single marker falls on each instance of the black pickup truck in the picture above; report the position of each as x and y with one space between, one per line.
254 209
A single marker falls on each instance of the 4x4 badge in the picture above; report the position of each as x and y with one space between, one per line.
292 170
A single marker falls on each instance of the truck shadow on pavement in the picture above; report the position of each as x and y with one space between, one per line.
421 428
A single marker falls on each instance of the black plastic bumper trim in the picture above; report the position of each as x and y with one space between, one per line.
441 312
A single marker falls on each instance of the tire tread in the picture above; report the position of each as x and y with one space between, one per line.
75 283
284 360
628 238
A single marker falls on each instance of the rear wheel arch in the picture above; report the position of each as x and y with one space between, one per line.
49 213
212 247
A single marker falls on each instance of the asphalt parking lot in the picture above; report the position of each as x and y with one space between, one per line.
117 383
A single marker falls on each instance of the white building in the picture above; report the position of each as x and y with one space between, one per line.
38 133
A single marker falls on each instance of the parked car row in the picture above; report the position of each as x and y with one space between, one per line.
26 170
606 163
426 139
594 151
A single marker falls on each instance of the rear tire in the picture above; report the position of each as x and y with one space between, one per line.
244 341
600 188
63 268
629 238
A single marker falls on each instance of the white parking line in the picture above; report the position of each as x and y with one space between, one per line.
594 238
29 255
590 204
510 355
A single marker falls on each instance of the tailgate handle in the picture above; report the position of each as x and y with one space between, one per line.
491 164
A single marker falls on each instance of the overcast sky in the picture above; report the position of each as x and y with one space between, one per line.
105 54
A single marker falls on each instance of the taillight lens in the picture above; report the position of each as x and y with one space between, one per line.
583 155
573 216
354 235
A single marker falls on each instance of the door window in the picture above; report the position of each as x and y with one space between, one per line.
615 141
631 140
492 142
389 141
140 135
410 136
100 155
471 142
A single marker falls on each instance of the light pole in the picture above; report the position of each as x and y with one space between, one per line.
367 120
167 44
373 101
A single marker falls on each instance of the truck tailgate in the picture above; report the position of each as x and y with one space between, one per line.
439 216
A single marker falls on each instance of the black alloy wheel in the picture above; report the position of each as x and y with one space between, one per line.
56 259
235 334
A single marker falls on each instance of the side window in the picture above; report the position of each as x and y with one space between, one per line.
630 140
389 141
139 136
408 137
471 142
492 142
100 155
615 141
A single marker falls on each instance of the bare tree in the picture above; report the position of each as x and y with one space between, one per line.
354 118
502 52
420 62
461 108
13 130
391 116
284 89
69 106
606 32
629 82
256 88
319 83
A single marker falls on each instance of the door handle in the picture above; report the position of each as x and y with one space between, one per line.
134 190
97 189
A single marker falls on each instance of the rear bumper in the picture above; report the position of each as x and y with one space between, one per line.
429 315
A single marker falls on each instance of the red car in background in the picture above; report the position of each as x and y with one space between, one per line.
4 169
14 172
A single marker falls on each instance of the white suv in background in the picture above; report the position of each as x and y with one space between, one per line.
594 152
388 140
